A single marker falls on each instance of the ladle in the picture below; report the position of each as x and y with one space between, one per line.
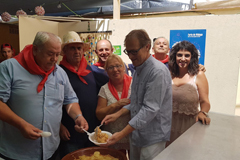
86 132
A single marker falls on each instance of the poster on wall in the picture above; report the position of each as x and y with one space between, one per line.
117 50
196 37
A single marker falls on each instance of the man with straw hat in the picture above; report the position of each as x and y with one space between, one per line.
82 80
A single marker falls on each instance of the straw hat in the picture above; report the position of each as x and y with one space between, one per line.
73 37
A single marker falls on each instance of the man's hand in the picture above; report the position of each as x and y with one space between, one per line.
119 135
112 140
202 68
30 132
81 123
64 133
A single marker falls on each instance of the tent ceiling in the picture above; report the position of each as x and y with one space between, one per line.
82 7
100 8
50 6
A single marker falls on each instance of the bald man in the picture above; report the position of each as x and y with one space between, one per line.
103 50
160 49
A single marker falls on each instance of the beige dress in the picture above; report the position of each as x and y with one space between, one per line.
120 123
185 108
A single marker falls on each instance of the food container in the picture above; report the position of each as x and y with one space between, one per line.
90 150
92 138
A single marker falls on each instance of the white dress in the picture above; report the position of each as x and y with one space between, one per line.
120 123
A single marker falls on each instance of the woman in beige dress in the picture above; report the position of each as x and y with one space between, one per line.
190 89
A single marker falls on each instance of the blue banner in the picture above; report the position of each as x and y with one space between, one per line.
196 37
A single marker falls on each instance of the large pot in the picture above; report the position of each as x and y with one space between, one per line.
90 150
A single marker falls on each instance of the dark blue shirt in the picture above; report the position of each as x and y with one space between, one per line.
88 97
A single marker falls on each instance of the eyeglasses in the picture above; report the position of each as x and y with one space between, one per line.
133 52
112 67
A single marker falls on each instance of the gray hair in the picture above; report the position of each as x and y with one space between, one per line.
154 39
42 37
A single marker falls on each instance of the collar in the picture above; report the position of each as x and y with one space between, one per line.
55 69
139 69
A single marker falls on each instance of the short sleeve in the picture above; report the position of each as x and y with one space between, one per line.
102 93
5 83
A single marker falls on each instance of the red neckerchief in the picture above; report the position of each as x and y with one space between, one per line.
82 71
26 60
101 64
126 84
163 61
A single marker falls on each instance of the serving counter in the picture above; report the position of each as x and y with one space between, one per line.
218 141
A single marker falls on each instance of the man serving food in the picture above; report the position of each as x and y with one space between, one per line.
33 89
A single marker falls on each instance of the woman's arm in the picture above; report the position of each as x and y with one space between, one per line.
103 110
203 91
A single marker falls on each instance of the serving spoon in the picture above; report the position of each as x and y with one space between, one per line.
86 132
96 129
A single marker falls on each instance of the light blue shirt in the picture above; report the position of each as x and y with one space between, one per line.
151 103
18 89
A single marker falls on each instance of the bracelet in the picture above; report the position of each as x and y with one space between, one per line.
77 116
205 113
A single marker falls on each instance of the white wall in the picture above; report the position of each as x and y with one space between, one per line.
28 28
221 53
238 92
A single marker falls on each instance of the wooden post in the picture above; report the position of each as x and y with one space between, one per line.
116 9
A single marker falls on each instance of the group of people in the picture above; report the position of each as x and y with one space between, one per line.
157 104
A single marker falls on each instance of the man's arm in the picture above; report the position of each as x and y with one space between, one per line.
74 111
202 68
8 116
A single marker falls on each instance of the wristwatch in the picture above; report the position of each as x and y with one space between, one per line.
205 113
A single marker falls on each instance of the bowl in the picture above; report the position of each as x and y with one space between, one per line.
91 137
90 150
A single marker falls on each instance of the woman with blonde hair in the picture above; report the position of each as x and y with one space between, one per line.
113 96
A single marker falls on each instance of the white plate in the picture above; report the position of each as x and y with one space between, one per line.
91 137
